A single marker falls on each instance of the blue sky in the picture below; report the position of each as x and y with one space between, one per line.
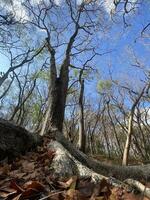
125 42
121 41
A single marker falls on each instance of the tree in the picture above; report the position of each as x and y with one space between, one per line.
82 136
72 38
130 124
81 21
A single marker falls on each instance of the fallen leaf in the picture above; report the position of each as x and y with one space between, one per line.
86 187
71 183
17 197
5 169
72 194
28 166
29 193
7 192
17 174
15 186
101 189
34 185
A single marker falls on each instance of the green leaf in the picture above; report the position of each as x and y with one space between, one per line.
104 86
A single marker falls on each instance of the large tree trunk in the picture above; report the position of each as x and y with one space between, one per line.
15 140
58 86
68 160
57 106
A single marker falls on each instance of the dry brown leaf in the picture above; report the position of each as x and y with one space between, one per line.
132 196
86 189
29 193
30 176
72 194
5 169
16 187
28 166
48 155
71 183
7 192
17 174
34 185
101 190
17 197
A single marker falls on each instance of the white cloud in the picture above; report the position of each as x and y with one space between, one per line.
109 6
79 2
17 9
20 12
58 2
36 1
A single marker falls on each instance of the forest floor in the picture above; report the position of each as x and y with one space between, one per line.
29 177
115 160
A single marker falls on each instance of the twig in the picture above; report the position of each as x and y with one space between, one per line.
50 195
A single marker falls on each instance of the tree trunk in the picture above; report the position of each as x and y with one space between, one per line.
15 140
130 127
58 86
128 141
82 136
56 108
68 160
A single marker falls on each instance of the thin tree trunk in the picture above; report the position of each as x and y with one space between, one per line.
130 128
128 140
82 136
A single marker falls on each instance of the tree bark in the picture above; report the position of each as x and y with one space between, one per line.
128 140
15 140
68 160
86 166
130 128
82 136
58 86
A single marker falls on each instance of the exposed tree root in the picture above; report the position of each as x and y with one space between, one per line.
68 160
139 186
119 172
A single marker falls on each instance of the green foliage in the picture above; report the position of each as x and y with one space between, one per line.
104 86
85 75
76 72
35 112
42 75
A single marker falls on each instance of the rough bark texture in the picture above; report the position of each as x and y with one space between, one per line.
68 160
75 156
15 140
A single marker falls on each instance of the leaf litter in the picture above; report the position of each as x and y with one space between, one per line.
29 177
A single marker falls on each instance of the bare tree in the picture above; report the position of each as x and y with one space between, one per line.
80 20
130 124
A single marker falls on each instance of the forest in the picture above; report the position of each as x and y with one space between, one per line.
75 99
